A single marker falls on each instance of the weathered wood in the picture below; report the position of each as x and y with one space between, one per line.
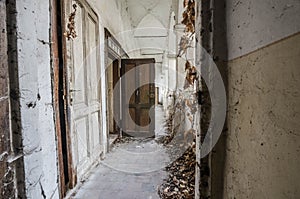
65 49
55 84
143 98
83 91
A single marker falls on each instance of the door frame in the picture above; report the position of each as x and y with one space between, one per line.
60 77
113 49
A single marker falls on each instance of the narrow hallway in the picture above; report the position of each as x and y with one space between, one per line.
149 99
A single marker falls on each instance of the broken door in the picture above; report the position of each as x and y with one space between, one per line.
141 97
84 89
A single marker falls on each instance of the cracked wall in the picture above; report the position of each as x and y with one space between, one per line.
33 67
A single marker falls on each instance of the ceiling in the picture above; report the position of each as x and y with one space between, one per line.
151 21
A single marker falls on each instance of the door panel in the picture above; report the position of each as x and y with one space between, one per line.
141 96
85 93
144 114
92 58
95 129
82 152
78 70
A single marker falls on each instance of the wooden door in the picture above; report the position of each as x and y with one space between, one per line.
84 89
137 97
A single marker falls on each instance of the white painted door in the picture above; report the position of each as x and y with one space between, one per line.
85 92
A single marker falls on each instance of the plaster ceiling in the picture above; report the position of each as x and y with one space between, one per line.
150 20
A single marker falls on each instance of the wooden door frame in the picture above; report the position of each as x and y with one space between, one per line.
110 52
56 97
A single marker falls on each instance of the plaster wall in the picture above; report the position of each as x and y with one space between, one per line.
34 69
114 15
263 138
263 141
252 24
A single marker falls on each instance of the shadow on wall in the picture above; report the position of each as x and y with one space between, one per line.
214 41
220 57
16 134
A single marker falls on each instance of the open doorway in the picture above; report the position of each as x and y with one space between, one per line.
114 54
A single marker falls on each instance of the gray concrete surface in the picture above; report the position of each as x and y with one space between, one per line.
130 171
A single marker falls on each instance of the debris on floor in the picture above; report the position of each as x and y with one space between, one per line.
181 180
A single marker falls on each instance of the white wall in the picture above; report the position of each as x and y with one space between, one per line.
253 24
114 16
40 156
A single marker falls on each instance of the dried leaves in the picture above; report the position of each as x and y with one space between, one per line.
181 181
183 45
189 16
71 32
191 75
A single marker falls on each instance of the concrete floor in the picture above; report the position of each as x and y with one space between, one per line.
107 183
131 170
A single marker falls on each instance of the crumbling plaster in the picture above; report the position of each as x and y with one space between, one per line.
34 68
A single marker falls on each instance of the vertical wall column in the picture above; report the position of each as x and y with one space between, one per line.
179 29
